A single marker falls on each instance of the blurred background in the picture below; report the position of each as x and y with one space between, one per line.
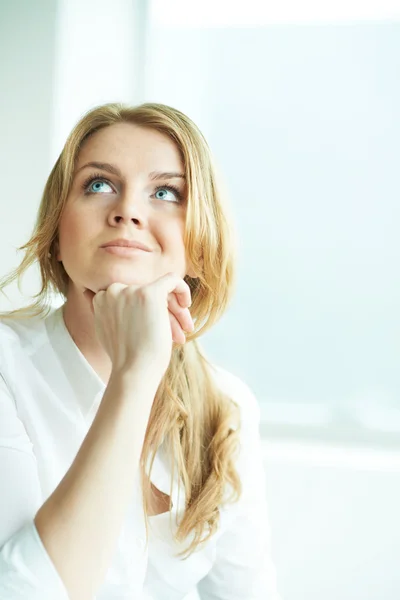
300 102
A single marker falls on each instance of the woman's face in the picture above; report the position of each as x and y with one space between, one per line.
126 195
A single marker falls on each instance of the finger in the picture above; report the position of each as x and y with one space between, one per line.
173 283
177 334
116 287
94 297
182 314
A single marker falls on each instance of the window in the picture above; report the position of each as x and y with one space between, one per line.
300 102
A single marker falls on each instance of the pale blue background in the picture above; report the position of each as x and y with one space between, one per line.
305 124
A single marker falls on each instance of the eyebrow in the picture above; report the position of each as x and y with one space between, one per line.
115 171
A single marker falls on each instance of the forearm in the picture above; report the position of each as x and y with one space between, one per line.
80 522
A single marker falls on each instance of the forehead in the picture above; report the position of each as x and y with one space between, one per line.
131 146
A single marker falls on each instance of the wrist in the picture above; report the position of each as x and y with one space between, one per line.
136 380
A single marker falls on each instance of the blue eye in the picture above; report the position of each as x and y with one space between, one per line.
94 185
172 190
98 184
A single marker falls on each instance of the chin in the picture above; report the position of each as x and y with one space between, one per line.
137 279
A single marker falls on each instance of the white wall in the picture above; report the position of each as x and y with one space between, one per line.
27 69
334 520
304 121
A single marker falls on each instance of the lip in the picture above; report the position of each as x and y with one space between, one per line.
124 250
128 244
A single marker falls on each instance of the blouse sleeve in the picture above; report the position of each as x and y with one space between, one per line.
243 568
26 570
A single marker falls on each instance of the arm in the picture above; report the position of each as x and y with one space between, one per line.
79 524
26 572
100 481
243 568
65 550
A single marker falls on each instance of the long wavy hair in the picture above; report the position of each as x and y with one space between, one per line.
191 415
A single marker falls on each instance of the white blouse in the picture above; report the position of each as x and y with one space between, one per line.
49 395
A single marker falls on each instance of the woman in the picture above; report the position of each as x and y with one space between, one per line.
130 465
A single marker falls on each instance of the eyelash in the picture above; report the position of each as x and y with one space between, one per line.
97 176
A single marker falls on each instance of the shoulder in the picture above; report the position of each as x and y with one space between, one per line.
19 338
249 462
23 332
13 434
240 393
10 348
10 340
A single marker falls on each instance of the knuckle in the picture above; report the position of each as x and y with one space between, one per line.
113 289
143 293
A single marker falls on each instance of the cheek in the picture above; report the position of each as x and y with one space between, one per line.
74 232
174 247
172 234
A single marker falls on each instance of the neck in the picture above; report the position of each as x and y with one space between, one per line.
79 320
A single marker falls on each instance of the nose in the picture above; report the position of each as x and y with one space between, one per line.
128 209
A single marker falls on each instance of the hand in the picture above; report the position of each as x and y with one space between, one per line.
136 325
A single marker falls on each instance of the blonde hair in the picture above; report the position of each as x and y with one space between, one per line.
198 423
